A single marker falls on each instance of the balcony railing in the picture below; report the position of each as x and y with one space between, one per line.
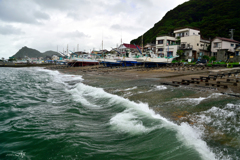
173 44
186 47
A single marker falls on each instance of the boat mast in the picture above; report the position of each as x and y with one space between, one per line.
122 44
142 44
102 48
67 50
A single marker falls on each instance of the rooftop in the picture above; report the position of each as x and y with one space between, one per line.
131 46
227 39
186 28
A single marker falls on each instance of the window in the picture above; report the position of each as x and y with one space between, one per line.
216 45
169 54
232 45
197 44
168 43
161 55
160 41
160 49
186 34
237 53
214 53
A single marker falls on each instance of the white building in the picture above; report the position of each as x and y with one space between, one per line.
166 46
55 57
193 46
185 32
220 43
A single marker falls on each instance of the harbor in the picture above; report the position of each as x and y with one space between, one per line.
120 80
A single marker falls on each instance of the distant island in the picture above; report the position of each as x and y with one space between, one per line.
213 18
33 53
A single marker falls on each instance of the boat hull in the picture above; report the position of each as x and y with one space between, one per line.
131 63
110 64
82 63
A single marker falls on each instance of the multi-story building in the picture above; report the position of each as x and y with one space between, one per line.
192 45
185 32
166 46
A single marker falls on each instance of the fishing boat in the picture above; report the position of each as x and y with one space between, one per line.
82 62
79 59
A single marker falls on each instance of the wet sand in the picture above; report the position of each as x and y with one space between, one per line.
164 75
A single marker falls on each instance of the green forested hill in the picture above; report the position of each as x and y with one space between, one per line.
212 17
32 53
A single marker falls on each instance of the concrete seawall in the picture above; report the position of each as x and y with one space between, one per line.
7 64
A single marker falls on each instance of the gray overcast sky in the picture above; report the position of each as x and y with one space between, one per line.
46 24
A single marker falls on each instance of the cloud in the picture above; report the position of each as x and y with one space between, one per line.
74 34
21 11
10 30
46 24
124 27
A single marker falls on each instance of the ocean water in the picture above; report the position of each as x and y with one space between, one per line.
49 115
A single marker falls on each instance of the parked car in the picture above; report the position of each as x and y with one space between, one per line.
201 61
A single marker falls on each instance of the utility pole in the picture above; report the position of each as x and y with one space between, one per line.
231 33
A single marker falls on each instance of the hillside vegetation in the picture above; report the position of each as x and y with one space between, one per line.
32 53
212 17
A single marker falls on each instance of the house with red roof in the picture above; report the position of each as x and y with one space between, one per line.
123 47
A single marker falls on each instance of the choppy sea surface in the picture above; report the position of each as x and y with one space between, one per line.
49 115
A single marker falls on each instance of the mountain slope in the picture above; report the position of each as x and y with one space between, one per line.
213 18
32 53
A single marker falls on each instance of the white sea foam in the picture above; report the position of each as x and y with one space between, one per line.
158 88
128 120
155 88
194 101
123 90
223 119
186 133
128 94
60 77
128 89
161 87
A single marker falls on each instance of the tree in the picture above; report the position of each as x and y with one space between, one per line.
181 55
206 57
213 59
